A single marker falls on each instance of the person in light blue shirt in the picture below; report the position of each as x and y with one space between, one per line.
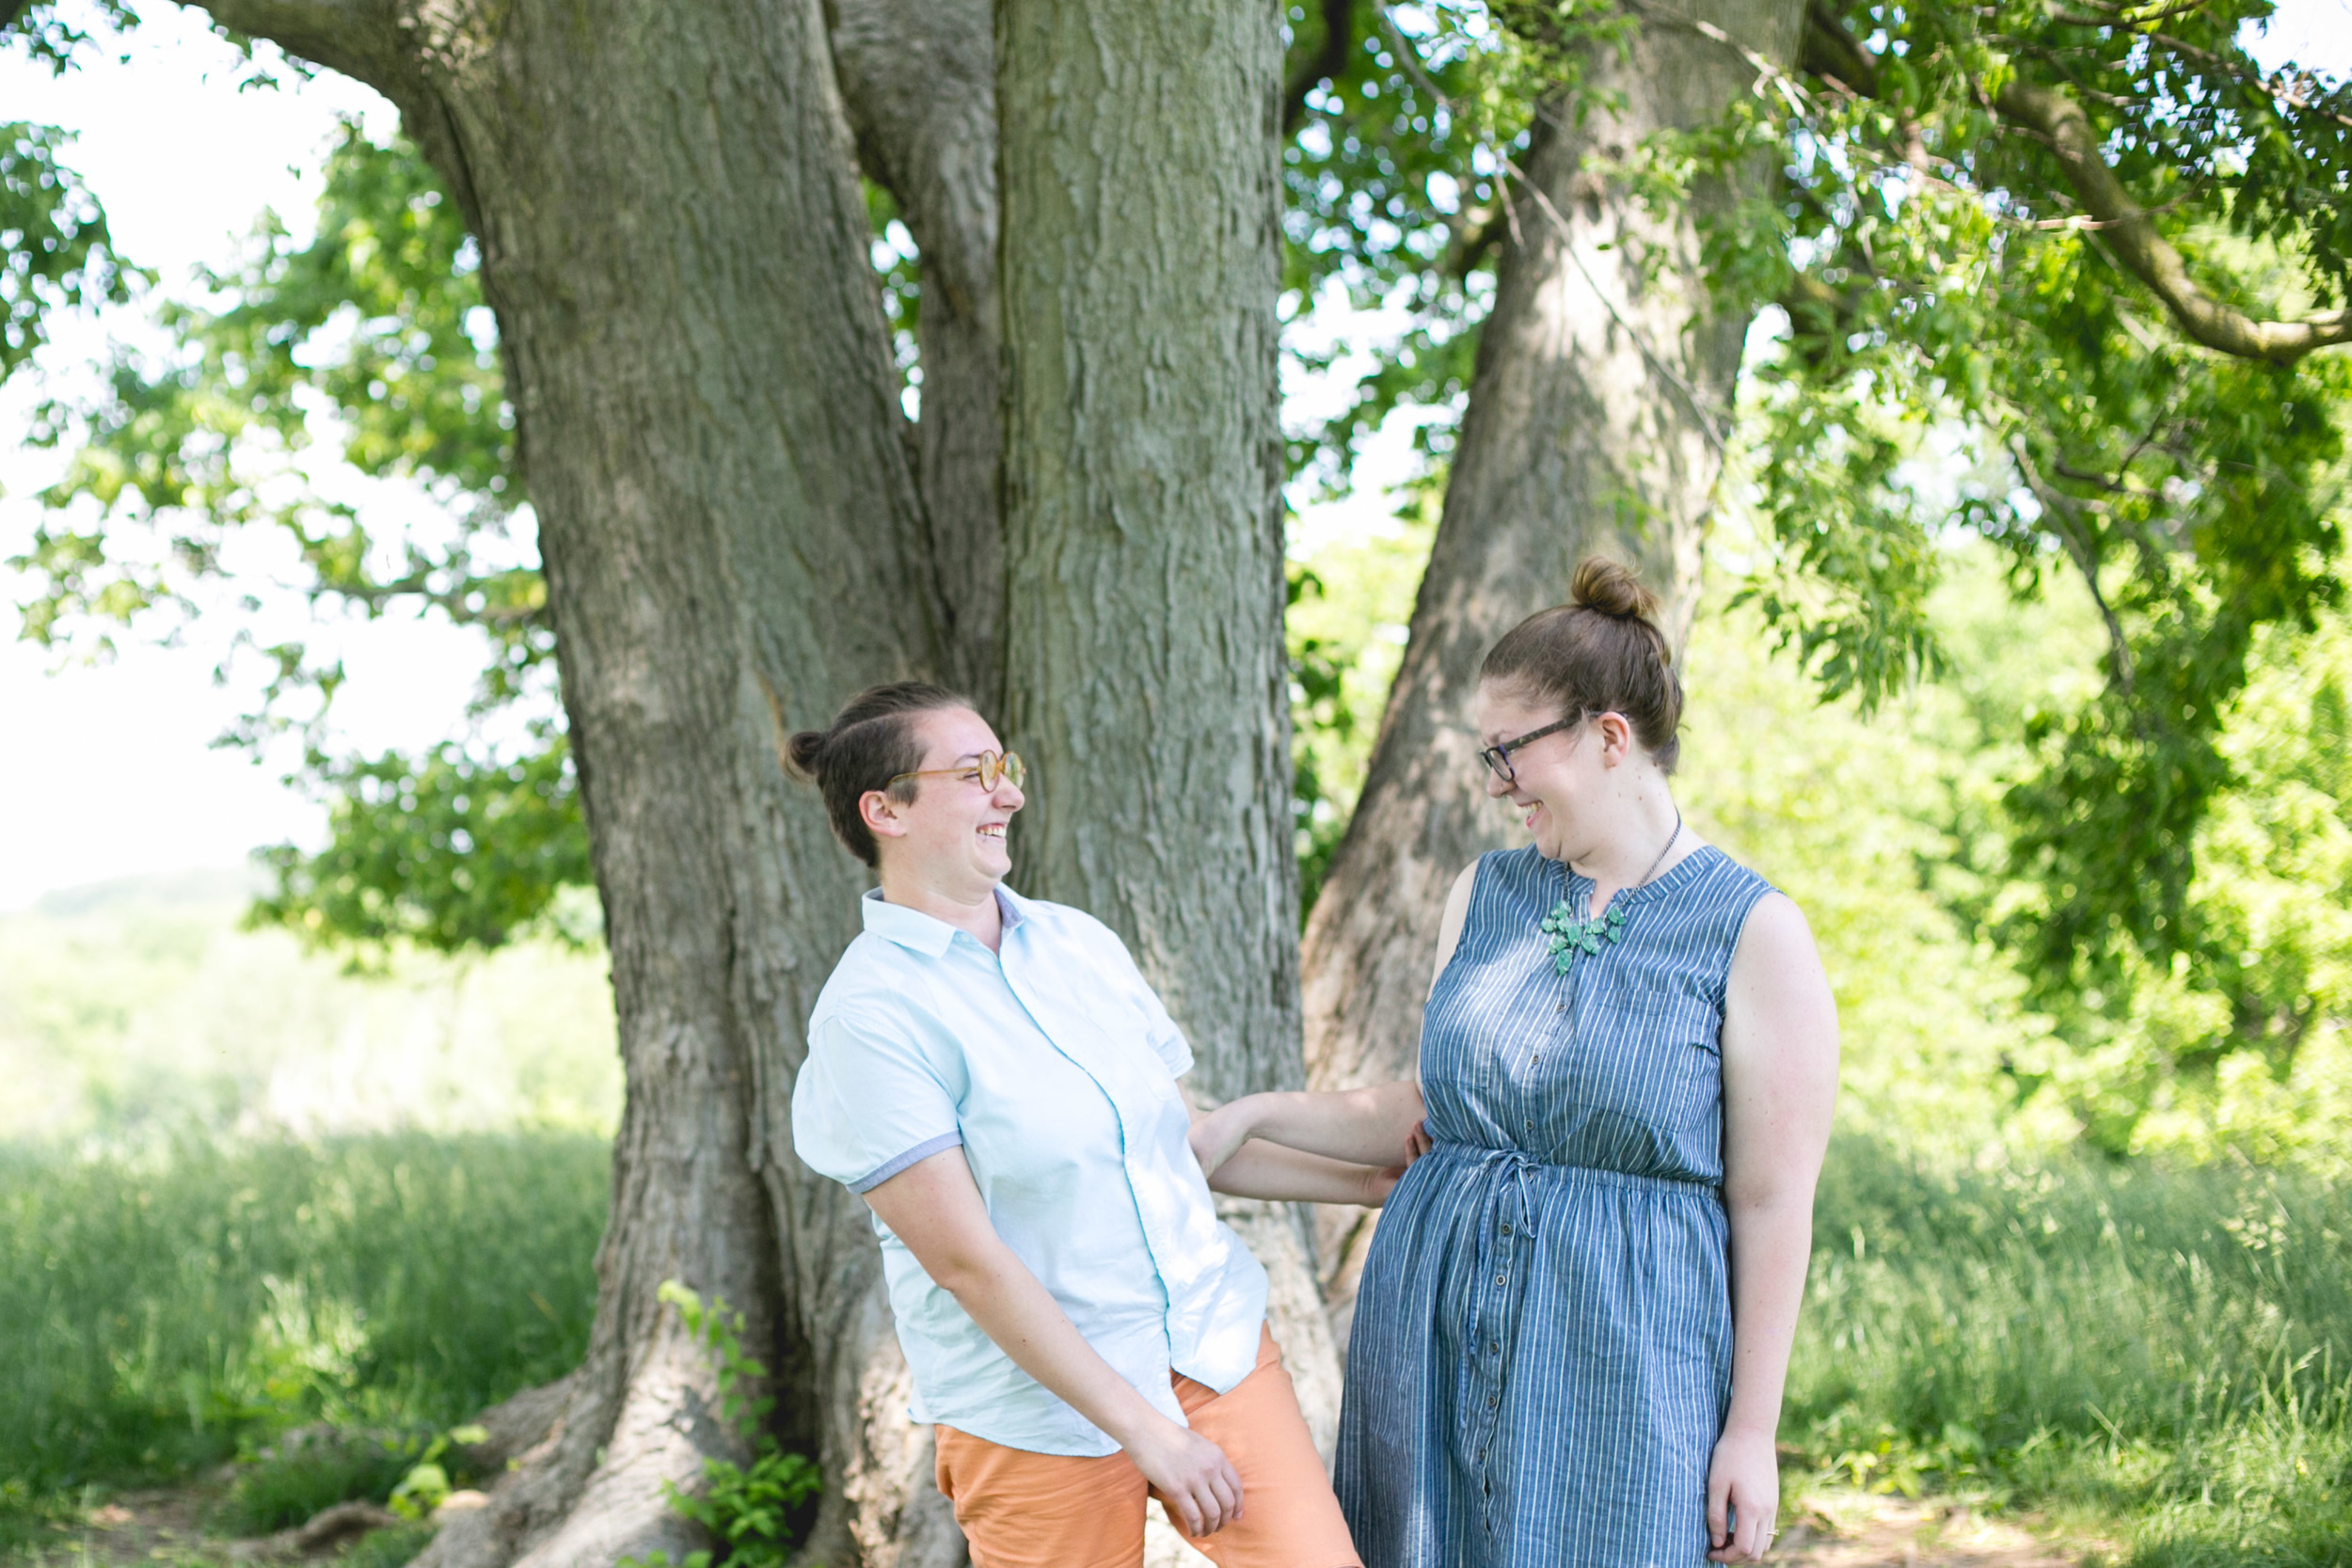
996 1078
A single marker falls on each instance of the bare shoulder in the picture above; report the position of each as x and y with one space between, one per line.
1456 912
1776 931
1778 991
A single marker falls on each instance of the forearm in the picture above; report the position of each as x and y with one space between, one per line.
1024 1320
1262 1169
1771 1244
1362 1127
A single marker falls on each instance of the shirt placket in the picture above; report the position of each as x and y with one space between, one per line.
1111 1083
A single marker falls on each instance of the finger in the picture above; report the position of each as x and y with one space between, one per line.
1756 1524
1233 1498
1718 1503
1188 1513
1213 1506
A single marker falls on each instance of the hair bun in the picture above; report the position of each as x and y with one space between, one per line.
1612 589
804 747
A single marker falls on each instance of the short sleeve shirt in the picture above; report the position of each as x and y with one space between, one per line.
1054 1065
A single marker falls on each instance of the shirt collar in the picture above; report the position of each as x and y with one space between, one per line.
928 934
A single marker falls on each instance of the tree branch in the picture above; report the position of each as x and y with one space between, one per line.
2132 237
2062 510
1338 36
360 38
1831 52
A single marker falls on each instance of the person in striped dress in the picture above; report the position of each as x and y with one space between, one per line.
1575 1319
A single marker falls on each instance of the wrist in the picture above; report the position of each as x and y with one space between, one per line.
1134 1423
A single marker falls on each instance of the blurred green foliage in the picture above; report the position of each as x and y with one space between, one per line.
309 1470
55 253
162 1305
1936 278
137 1008
2164 1350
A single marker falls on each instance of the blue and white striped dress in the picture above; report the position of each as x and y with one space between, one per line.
1541 1357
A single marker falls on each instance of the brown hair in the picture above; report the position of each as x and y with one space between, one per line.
1602 654
871 741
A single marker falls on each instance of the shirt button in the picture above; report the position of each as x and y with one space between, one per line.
1499 1279
1490 1401
1506 1230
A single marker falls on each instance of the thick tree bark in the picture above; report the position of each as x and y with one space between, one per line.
1594 423
1143 541
676 247
919 78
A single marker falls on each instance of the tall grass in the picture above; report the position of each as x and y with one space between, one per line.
2167 1346
2164 1355
157 1307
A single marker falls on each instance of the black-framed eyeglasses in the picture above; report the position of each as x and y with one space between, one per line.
1498 756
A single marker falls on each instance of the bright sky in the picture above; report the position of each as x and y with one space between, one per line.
109 770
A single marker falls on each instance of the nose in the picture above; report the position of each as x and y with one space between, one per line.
1497 786
1008 796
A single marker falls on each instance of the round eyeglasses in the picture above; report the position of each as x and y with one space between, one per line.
988 767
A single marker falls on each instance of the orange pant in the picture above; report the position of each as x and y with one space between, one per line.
1022 1510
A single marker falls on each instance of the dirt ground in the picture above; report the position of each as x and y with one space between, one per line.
1845 1530
1852 1530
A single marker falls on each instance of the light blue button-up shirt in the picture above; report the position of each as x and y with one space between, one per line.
1055 1065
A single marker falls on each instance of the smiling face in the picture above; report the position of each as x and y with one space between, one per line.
1557 781
951 835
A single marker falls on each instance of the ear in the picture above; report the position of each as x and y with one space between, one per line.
881 814
1616 738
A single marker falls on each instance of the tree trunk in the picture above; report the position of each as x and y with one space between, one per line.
919 77
1143 532
676 248
1596 421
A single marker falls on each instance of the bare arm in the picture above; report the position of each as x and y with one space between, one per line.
1262 1169
1780 1088
1450 925
1374 1126
1379 1128
934 1207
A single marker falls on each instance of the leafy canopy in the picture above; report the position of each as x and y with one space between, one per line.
2031 272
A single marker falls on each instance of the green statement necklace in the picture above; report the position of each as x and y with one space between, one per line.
1568 936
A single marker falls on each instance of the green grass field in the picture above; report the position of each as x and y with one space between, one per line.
2159 1356
169 1309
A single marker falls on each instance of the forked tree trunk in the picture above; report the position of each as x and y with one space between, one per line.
676 247
1143 532
919 78
1594 423
736 535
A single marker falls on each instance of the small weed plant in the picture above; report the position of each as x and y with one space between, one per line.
752 1509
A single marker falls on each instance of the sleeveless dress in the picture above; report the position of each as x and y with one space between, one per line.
1541 1358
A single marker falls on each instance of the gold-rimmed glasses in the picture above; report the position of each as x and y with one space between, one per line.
988 767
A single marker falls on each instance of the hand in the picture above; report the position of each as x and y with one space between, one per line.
1379 1184
1419 1141
1742 1496
1217 1135
1191 1475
